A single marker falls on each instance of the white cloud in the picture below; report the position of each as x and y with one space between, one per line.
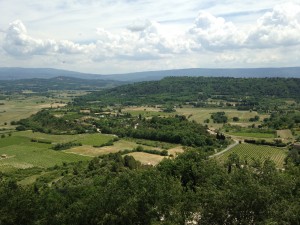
279 27
17 42
61 33
214 33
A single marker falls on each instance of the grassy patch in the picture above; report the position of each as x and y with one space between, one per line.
251 152
285 134
147 159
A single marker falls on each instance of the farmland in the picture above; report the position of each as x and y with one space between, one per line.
18 106
21 152
251 152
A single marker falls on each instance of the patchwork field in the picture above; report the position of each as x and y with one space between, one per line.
19 151
252 152
199 114
16 107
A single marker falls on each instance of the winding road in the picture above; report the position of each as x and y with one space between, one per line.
236 142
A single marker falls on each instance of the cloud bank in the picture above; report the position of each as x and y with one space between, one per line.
225 42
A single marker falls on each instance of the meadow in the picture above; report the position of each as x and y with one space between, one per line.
252 152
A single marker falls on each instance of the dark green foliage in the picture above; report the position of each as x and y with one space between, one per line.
40 141
64 146
116 190
235 119
172 129
45 122
195 90
293 156
277 142
219 117
283 120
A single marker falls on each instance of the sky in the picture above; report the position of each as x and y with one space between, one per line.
122 36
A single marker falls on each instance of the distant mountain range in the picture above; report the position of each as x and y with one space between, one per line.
15 73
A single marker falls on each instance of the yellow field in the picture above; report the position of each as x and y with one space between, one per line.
87 150
147 159
285 134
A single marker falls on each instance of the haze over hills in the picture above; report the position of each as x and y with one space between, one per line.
14 73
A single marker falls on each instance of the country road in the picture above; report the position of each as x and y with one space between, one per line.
236 142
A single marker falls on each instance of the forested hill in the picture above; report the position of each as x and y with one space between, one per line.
194 89
56 83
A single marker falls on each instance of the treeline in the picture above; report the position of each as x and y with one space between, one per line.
195 90
172 129
276 143
189 189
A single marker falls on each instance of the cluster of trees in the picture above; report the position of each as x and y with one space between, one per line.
172 129
283 120
45 122
189 189
64 146
276 142
219 117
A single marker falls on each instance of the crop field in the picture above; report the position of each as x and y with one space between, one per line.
19 152
85 139
116 147
26 156
252 152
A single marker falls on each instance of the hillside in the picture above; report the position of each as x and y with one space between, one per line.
179 90
56 83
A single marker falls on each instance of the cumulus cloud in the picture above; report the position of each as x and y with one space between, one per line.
214 33
139 42
147 40
17 42
279 27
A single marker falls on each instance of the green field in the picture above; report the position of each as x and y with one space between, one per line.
258 152
19 152
85 139
25 154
